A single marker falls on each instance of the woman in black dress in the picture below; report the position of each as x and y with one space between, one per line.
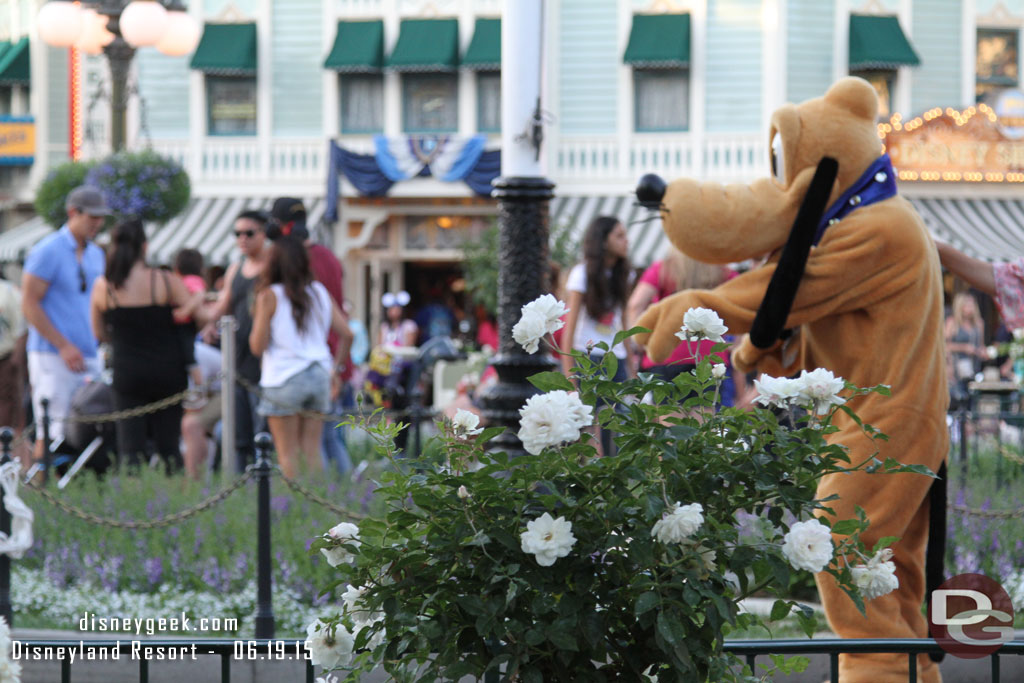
132 309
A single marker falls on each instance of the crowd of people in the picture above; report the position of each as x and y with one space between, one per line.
298 354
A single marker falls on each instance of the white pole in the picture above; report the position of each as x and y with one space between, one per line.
522 41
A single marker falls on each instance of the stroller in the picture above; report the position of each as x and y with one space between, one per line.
85 444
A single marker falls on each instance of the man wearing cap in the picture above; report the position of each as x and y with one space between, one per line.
288 216
56 286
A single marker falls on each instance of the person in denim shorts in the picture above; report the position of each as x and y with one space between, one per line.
292 316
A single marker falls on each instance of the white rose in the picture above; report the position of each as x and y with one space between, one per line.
10 670
328 650
463 492
808 545
701 323
877 577
818 390
355 606
775 391
550 310
466 423
346 533
679 523
718 370
375 640
548 539
530 329
549 419
582 415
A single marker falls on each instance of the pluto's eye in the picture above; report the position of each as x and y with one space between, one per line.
778 159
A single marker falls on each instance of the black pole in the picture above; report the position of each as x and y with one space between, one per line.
119 56
46 440
264 609
523 275
6 437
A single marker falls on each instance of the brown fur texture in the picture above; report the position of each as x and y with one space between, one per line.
869 308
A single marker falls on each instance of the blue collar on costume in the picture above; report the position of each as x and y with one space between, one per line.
877 183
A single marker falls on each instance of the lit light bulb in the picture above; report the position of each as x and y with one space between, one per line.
143 22
181 36
59 23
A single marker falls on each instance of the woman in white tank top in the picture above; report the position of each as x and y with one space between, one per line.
291 319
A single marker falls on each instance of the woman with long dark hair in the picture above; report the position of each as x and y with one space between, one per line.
597 290
291 318
133 309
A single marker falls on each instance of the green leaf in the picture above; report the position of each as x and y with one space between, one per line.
625 334
670 628
562 638
780 610
846 527
646 602
473 604
551 381
884 542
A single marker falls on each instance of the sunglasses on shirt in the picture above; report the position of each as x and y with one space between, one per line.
83 284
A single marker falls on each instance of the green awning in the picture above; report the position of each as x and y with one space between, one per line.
877 42
659 41
426 45
358 47
226 49
15 67
484 52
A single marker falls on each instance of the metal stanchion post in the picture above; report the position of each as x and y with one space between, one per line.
46 440
264 608
228 454
6 437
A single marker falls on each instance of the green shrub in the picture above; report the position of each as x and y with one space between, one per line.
55 188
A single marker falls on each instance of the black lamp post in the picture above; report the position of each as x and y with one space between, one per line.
524 195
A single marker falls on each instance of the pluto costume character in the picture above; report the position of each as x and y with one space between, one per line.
868 307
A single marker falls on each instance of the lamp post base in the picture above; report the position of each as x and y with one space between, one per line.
524 270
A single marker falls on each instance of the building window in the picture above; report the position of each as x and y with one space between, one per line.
996 63
661 99
430 103
6 97
231 105
883 81
488 102
362 103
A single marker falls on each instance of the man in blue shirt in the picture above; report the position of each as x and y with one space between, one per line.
56 286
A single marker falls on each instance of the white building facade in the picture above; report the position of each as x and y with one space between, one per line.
674 87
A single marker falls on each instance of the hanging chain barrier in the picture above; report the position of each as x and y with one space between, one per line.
319 500
166 520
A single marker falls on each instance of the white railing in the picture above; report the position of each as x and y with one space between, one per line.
246 160
721 157
604 160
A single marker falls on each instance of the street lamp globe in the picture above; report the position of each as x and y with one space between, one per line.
143 22
59 23
181 36
94 36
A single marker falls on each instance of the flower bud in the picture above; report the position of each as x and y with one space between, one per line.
463 492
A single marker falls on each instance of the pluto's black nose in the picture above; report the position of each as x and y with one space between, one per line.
650 191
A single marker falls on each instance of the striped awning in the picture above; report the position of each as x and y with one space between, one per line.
15 243
991 229
207 224
647 241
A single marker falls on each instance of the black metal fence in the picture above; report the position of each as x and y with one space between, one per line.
833 647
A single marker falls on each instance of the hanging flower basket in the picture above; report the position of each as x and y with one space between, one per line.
141 185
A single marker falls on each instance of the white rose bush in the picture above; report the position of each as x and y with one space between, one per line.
553 564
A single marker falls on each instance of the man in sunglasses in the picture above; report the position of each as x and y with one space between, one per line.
56 286
236 297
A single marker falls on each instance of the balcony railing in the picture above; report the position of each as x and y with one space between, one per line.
573 161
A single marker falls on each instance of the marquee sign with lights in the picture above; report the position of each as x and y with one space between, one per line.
977 144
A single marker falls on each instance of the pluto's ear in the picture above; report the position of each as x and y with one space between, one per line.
854 95
778 299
